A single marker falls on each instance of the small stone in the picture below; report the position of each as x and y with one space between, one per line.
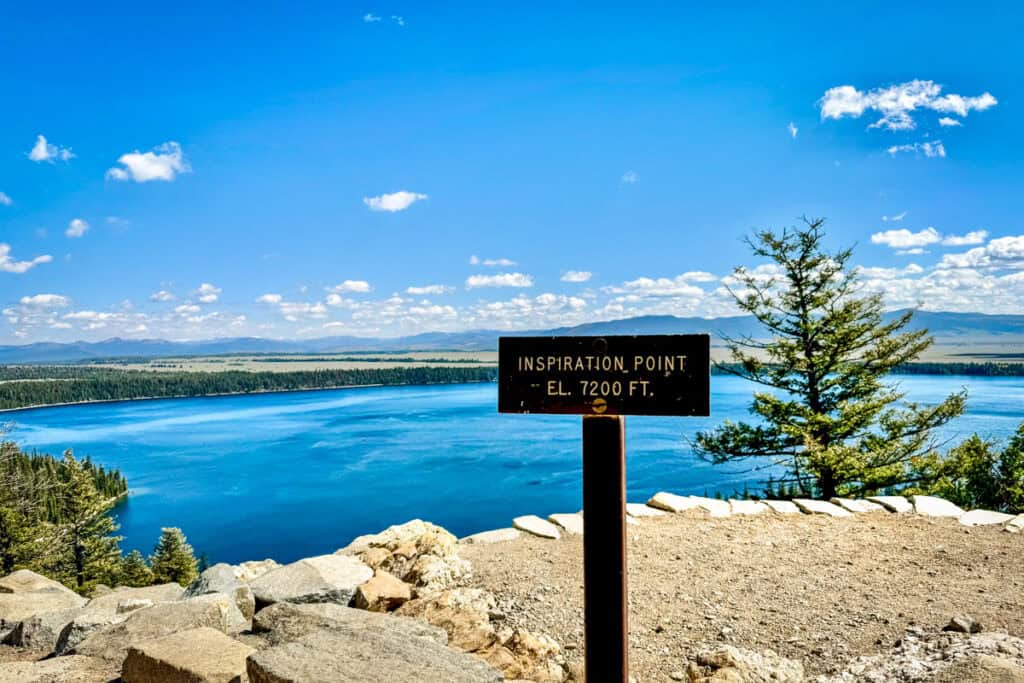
671 502
820 507
931 506
892 503
532 524
572 523
963 624
492 536
382 593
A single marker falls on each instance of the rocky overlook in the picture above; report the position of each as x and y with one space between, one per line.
843 590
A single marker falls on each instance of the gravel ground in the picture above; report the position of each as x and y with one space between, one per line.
818 589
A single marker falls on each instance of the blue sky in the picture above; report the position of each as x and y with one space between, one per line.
391 168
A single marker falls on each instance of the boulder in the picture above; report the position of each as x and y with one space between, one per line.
532 524
571 522
981 517
382 593
201 655
165 592
643 510
521 655
78 669
747 507
111 642
221 578
327 578
41 631
782 507
963 624
1015 525
25 581
85 623
420 553
234 620
931 506
366 656
493 536
713 506
820 507
285 622
249 571
892 503
16 607
857 505
733 664
463 613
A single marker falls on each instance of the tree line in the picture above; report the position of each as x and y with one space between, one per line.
56 519
75 384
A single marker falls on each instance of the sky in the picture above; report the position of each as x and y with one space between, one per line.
379 169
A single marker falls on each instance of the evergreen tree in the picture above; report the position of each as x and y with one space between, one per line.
89 553
134 571
828 419
173 559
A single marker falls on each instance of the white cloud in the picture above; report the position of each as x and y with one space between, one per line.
44 151
396 201
793 130
338 301
429 289
904 239
165 162
45 301
576 276
296 310
946 122
162 295
499 280
76 228
398 20
369 18
646 287
9 265
896 219
1001 253
187 309
5 199
207 293
972 237
359 286
630 177
491 262
269 299
929 149
897 103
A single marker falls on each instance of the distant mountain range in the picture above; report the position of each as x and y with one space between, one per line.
946 327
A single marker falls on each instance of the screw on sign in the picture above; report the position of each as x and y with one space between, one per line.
604 379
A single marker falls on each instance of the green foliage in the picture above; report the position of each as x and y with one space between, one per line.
977 475
173 559
827 418
74 384
135 571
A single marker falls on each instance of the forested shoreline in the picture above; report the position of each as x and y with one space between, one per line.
24 387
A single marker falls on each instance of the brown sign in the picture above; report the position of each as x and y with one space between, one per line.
614 375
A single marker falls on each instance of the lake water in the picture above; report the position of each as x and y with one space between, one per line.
297 474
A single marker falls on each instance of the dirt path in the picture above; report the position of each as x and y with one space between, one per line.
812 588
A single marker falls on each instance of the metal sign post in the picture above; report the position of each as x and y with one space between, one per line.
603 379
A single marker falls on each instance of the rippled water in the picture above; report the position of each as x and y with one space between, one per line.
296 474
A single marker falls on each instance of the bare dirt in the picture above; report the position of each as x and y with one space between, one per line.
813 588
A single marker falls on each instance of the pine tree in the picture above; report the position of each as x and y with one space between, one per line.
88 552
173 559
134 571
829 420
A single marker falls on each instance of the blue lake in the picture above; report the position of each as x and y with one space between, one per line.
298 474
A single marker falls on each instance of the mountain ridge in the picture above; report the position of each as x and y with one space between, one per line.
943 325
